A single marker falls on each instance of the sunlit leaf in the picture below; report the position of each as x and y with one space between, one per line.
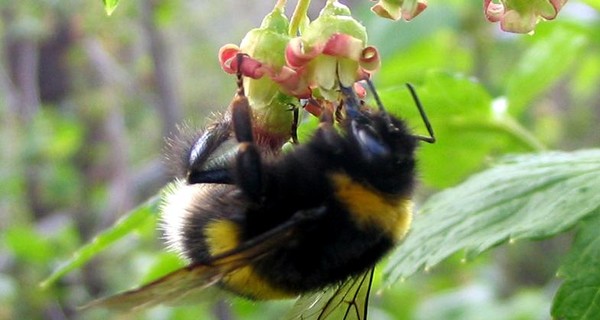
542 64
123 227
526 196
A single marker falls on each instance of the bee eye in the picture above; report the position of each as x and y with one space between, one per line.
370 142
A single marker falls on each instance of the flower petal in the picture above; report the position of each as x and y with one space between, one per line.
396 9
325 72
296 57
414 11
369 59
493 11
343 45
293 82
227 54
521 16
514 21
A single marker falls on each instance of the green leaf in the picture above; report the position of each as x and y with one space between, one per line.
579 296
543 64
593 3
28 245
130 222
164 263
110 6
467 131
526 196
409 63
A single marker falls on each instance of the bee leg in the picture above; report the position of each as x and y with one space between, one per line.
294 128
338 112
248 171
218 176
205 146
325 131
326 119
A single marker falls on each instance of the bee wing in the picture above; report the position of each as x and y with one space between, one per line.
348 301
167 289
191 279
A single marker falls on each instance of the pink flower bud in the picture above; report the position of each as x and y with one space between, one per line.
229 62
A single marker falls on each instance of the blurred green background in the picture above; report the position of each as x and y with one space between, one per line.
87 99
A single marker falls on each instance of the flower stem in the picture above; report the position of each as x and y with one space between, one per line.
280 4
521 134
505 125
300 13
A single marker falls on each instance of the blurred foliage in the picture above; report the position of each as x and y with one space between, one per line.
126 225
110 6
487 94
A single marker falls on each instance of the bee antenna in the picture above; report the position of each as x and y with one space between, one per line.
386 116
431 138
375 95
351 101
240 79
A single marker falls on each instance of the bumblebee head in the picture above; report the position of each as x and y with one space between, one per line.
379 136
384 145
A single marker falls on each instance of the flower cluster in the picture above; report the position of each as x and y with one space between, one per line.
285 61
331 49
521 16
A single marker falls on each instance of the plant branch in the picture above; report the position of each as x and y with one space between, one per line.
300 13
169 106
504 125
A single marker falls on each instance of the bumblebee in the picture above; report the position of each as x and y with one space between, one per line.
310 223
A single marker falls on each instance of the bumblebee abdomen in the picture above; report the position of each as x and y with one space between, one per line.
358 227
327 253
370 209
201 221
322 255
224 235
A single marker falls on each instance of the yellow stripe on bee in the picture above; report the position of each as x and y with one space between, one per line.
221 236
224 235
370 208
246 282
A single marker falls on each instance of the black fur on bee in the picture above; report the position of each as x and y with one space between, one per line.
358 181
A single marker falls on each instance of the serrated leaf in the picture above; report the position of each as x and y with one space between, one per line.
579 296
121 228
525 196
110 6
